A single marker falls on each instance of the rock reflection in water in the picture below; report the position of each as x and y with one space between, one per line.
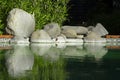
37 58
47 51
93 50
96 50
19 59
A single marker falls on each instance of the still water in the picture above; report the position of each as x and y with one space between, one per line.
70 61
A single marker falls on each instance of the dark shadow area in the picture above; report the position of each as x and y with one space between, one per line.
91 12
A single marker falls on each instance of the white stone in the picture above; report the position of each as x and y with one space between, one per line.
100 30
60 39
74 40
80 36
20 23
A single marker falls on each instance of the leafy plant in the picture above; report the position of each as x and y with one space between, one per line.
45 11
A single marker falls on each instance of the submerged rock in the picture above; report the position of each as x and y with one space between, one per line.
20 24
53 29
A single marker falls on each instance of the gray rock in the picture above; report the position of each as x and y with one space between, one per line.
77 29
99 29
40 35
90 28
69 33
53 29
93 37
20 23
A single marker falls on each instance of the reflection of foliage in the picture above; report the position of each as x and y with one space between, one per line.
3 70
47 70
42 70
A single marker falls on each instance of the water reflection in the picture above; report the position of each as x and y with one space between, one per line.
96 50
19 59
62 61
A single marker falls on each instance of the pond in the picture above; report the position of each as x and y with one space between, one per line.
63 61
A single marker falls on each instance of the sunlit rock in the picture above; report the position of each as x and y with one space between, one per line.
96 50
19 60
20 24
77 29
53 29
100 30
40 36
80 36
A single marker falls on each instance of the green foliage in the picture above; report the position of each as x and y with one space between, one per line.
45 11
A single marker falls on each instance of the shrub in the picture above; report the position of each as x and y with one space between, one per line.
45 11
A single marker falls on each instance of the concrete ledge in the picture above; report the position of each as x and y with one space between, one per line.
94 40
74 40
42 41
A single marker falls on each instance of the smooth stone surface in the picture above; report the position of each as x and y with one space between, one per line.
69 33
74 40
77 29
100 30
40 36
20 23
21 41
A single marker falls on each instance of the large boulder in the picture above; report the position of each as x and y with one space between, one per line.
77 29
53 29
99 29
40 36
20 24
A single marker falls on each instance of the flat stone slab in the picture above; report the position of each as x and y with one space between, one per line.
59 41
94 40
